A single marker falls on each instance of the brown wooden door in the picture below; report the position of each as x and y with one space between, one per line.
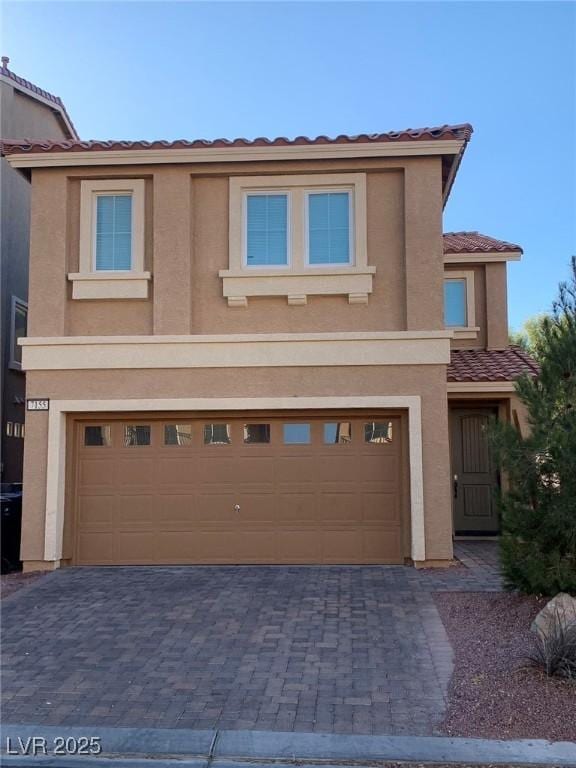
258 489
474 475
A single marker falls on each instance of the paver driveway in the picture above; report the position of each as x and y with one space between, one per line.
333 649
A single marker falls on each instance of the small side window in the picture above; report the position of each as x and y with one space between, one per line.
18 329
337 432
256 433
135 434
455 303
297 434
177 434
98 436
378 432
217 434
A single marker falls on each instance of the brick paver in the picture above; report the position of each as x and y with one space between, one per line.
328 649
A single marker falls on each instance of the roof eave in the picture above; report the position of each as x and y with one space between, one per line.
58 108
235 154
456 161
480 257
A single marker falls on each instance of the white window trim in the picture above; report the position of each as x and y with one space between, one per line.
351 226
15 304
246 194
90 283
470 330
299 279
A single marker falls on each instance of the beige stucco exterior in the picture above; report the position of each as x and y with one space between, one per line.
182 346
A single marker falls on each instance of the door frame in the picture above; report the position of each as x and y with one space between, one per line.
57 464
494 408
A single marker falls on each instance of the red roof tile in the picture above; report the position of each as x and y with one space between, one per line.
474 242
490 364
36 90
444 132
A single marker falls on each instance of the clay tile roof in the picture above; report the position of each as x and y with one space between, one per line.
37 91
474 242
490 364
445 132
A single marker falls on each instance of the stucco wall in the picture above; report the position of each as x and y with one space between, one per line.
490 288
187 243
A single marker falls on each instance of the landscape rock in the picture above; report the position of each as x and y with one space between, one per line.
561 608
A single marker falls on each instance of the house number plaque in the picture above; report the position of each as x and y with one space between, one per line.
37 405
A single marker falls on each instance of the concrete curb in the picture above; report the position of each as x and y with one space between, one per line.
167 748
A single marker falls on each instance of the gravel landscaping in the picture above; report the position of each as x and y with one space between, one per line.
12 582
493 694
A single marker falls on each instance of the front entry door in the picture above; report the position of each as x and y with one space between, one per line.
474 475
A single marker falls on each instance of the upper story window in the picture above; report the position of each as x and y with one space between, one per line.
113 247
329 228
111 255
455 314
266 230
297 235
459 303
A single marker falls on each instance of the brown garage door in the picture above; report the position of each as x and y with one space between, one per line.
238 490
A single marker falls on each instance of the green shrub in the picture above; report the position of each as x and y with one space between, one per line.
538 511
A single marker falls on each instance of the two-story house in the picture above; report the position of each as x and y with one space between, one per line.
26 111
259 352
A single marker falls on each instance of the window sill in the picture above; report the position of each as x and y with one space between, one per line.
470 332
297 285
110 285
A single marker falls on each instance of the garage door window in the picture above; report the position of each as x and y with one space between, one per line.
136 435
217 434
256 433
297 434
337 432
177 434
97 436
378 432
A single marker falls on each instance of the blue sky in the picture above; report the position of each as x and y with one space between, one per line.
171 70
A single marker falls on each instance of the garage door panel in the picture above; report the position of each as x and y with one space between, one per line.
216 507
136 472
136 547
216 467
332 498
381 543
297 506
257 507
97 472
95 509
290 469
340 506
181 471
97 548
298 546
378 507
135 509
176 507
382 468
342 546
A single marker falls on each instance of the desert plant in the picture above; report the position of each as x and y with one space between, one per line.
538 509
554 650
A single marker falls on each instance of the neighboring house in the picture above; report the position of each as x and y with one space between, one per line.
259 352
26 111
